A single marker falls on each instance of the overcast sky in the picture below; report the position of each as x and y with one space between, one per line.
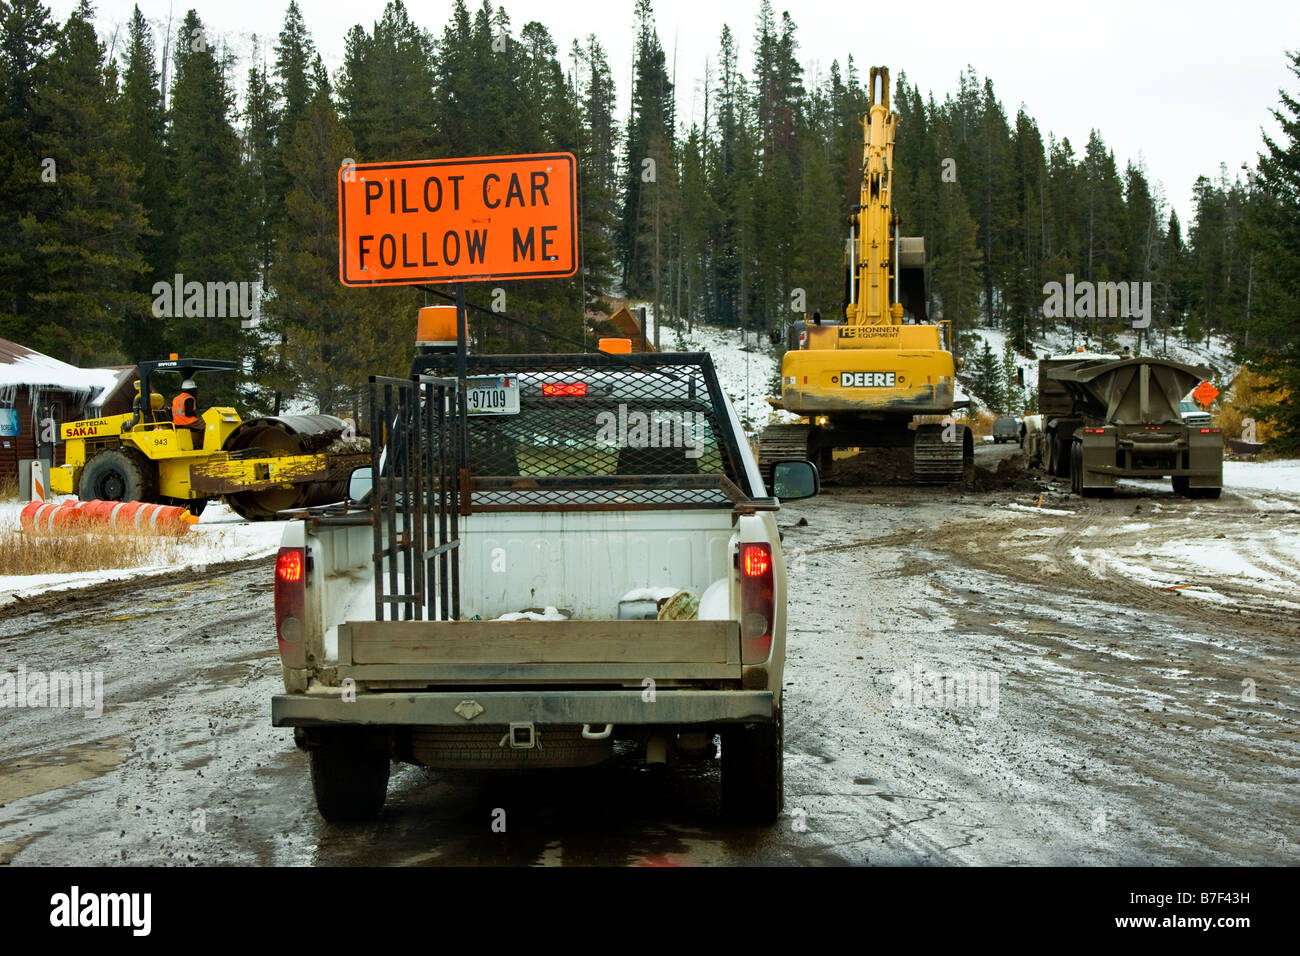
1183 86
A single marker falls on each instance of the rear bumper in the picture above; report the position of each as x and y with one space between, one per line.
438 708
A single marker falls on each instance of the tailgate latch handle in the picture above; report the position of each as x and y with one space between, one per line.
588 735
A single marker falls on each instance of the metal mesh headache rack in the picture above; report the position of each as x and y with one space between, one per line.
537 433
595 432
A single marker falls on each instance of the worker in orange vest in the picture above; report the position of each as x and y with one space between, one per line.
185 411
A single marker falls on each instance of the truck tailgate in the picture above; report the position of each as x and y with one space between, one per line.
412 652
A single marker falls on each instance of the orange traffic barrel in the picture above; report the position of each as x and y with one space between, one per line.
79 516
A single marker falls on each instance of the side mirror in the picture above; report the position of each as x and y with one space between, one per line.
793 479
359 483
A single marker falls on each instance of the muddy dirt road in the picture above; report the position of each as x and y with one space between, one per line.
973 678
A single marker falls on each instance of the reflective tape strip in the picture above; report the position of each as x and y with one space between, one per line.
153 518
138 515
112 515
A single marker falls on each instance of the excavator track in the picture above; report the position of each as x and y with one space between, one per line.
782 441
940 461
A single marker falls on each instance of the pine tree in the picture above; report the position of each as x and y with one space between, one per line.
215 221
387 91
88 237
648 156
333 337
986 380
27 35
1274 234
1013 395
143 114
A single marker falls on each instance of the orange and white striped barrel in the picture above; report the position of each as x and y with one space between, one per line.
68 517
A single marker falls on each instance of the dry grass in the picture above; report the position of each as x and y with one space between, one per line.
980 423
23 553
8 489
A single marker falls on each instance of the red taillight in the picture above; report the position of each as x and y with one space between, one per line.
757 607
1211 431
1094 431
288 565
756 560
290 602
565 389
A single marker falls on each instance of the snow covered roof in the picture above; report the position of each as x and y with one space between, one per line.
20 365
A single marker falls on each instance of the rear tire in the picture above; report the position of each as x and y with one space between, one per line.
753 771
120 474
349 779
1210 493
1076 468
1180 484
1063 457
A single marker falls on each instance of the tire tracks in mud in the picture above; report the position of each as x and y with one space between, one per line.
58 602
1249 609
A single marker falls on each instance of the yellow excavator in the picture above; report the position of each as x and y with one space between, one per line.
873 380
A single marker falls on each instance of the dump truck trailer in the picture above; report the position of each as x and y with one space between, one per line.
1105 417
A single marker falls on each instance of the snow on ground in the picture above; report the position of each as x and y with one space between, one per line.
220 536
1281 476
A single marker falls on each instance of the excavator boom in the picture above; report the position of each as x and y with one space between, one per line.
863 381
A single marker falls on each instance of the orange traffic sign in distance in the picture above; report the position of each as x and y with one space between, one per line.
458 220
1205 393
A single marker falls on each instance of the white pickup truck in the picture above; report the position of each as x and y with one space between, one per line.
576 550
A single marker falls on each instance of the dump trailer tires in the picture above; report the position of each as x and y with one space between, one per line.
349 778
119 474
1210 493
1058 455
1181 485
753 780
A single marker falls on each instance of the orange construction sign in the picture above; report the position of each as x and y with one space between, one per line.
1205 393
458 220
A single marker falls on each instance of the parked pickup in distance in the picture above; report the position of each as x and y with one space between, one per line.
1006 428
1192 413
487 633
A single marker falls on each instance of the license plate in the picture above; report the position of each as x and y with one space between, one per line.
492 396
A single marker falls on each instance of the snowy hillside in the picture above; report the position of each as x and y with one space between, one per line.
746 364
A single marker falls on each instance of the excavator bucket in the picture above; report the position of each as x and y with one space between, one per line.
911 277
